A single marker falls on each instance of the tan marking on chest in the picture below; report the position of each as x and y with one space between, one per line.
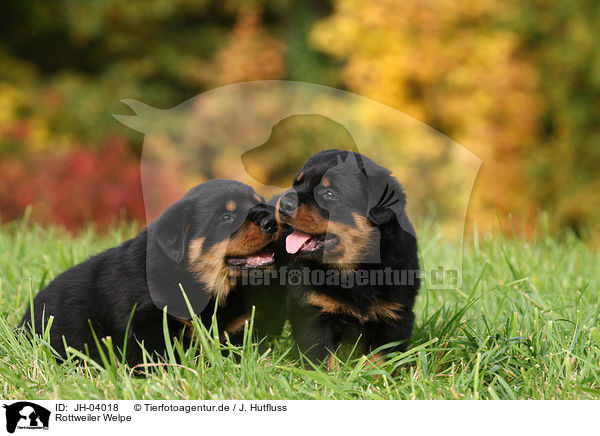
379 311
237 324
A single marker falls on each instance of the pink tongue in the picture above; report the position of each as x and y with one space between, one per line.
294 241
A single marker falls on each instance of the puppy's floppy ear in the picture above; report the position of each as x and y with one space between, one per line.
386 196
387 200
171 230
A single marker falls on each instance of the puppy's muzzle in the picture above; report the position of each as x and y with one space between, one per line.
264 218
268 224
288 203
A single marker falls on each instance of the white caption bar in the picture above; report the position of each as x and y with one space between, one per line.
317 417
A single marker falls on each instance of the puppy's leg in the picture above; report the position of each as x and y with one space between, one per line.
384 332
314 335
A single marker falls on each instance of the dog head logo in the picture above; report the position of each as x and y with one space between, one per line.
26 415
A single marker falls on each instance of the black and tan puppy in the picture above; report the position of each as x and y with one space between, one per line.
198 243
348 234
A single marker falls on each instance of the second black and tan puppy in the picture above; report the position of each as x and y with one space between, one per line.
348 234
197 243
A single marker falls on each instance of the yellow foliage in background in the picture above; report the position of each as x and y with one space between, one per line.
516 83
443 63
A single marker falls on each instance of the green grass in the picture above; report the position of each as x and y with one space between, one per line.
523 325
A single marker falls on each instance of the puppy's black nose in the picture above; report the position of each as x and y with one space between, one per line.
268 224
288 204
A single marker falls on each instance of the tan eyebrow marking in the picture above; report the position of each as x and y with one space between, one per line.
326 182
299 177
258 198
230 205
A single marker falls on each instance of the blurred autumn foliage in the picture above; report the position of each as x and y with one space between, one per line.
517 83
74 187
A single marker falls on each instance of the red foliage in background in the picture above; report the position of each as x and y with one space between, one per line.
73 187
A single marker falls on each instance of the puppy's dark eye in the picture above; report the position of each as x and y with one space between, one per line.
329 195
228 218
